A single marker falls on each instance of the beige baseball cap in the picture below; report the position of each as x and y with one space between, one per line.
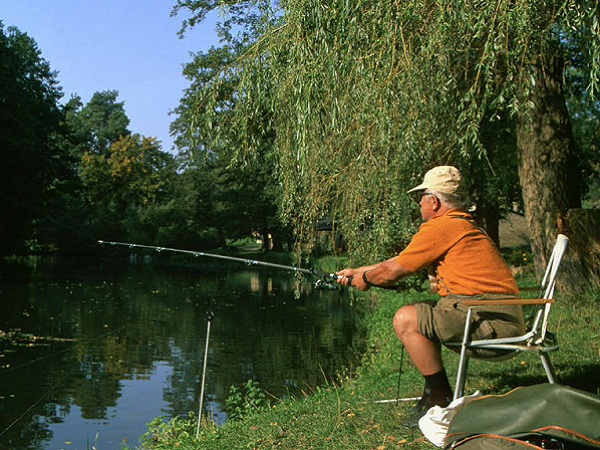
445 179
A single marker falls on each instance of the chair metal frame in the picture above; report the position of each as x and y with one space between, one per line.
537 338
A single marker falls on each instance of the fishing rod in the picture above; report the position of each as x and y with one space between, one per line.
326 280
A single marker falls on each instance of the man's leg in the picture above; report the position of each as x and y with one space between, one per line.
426 355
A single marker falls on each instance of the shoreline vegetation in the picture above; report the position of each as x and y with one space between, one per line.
347 412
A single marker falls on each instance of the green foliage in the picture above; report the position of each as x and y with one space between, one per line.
98 124
30 160
244 193
161 431
585 114
518 257
132 173
362 97
70 176
123 179
131 169
244 400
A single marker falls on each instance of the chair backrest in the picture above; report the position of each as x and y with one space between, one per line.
549 280
547 287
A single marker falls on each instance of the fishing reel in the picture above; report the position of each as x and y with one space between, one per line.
325 280
325 285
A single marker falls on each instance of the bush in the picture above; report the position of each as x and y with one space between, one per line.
518 256
243 400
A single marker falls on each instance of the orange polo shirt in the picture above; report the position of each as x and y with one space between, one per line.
465 259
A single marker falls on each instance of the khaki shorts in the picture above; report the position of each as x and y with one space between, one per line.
444 321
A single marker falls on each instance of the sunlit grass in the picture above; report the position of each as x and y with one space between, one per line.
344 414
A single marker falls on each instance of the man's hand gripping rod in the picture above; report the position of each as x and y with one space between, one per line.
326 280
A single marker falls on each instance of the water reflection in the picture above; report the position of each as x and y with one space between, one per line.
91 352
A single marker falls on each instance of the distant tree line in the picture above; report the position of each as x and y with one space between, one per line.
73 173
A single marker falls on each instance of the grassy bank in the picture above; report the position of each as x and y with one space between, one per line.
344 415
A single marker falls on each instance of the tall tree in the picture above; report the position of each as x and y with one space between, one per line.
99 123
29 117
584 112
549 168
246 189
131 174
366 94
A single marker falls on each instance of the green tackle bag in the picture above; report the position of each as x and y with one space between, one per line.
548 416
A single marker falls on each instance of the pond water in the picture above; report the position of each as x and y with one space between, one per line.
91 351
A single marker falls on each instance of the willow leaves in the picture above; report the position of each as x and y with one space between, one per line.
358 98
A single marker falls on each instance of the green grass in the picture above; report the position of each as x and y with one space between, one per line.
343 415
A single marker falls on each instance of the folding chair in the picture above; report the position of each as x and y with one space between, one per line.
537 338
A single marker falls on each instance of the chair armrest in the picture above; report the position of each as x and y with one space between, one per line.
510 301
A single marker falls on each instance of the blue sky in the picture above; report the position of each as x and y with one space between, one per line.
126 45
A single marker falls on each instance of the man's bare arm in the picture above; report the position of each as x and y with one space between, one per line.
384 273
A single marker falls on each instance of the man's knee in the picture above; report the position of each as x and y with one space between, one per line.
405 319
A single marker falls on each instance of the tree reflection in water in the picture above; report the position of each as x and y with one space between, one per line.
103 348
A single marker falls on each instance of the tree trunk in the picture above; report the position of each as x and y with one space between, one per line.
266 238
221 238
548 167
580 270
488 217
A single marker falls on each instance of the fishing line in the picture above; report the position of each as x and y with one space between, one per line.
37 402
59 351
61 381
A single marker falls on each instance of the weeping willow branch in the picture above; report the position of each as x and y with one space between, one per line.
360 98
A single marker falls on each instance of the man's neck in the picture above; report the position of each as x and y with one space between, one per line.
440 212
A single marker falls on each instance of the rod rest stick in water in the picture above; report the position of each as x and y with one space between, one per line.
325 282
209 317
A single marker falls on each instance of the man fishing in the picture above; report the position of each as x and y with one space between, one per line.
465 264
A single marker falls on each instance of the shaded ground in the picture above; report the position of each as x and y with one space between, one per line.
514 231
